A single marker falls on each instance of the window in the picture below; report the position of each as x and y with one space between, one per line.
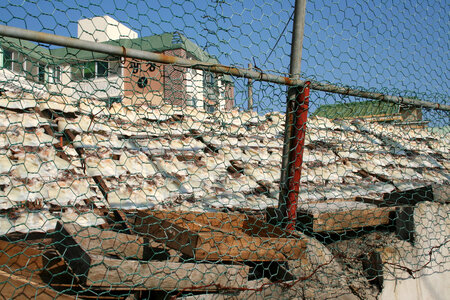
57 74
210 80
89 70
18 62
7 59
210 87
77 72
112 100
31 68
102 69
114 68
94 69
192 102
210 108
41 73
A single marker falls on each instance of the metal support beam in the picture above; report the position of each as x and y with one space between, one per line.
119 51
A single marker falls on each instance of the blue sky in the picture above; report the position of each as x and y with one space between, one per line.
397 47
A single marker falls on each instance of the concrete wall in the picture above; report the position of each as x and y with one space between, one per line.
431 281
102 29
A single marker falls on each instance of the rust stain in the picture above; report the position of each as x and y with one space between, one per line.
167 58
287 80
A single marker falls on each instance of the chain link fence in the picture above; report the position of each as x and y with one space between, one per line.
157 154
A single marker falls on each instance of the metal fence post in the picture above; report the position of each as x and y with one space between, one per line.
296 154
285 205
250 90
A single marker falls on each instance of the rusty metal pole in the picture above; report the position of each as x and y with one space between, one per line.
296 154
120 51
286 206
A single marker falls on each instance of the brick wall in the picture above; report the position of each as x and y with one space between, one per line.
175 80
151 93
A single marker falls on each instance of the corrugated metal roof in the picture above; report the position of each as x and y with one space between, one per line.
357 110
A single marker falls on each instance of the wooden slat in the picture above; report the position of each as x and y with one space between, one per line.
108 242
236 239
170 233
29 261
345 219
167 276
99 271
227 222
43 267
17 287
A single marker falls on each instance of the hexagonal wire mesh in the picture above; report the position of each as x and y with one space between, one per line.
123 176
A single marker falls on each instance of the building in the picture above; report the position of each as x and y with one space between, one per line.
373 111
85 74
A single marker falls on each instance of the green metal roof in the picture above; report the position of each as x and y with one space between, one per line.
357 110
155 43
28 48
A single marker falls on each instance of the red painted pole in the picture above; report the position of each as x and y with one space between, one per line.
296 156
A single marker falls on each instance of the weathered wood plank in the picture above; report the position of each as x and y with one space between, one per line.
342 220
167 232
108 242
29 261
167 276
256 289
253 240
222 221
13 286
102 272
323 216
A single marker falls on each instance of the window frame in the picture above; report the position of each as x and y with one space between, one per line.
97 72
41 72
57 74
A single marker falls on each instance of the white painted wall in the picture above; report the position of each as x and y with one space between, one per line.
98 88
102 29
222 101
103 87
194 86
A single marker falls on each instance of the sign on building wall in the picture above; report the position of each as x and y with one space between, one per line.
143 82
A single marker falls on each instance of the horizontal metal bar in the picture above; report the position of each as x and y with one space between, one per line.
330 88
112 50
